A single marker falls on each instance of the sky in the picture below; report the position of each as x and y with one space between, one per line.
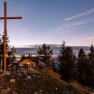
50 22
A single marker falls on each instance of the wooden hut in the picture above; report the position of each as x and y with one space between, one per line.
28 63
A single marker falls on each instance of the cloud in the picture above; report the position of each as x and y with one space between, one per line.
71 26
82 22
73 23
80 15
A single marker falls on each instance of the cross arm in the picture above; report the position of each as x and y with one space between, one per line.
17 17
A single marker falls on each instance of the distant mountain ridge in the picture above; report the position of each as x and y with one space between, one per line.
54 47
36 46
51 45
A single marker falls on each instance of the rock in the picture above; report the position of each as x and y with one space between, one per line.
35 92
12 80
8 73
28 77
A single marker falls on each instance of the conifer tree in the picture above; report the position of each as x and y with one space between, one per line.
44 54
67 61
90 70
1 53
82 66
8 54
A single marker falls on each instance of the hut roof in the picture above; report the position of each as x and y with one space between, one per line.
26 61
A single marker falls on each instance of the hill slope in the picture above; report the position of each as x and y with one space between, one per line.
46 82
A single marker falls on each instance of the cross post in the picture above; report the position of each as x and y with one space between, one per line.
5 32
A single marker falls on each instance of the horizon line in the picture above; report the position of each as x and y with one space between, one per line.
32 45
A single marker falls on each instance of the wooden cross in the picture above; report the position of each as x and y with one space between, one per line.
5 31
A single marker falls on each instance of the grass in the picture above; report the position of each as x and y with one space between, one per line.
44 82
66 88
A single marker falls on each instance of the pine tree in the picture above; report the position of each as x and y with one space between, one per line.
91 54
90 70
67 61
8 54
1 53
82 66
44 54
81 54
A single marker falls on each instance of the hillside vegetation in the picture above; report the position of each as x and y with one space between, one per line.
46 82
